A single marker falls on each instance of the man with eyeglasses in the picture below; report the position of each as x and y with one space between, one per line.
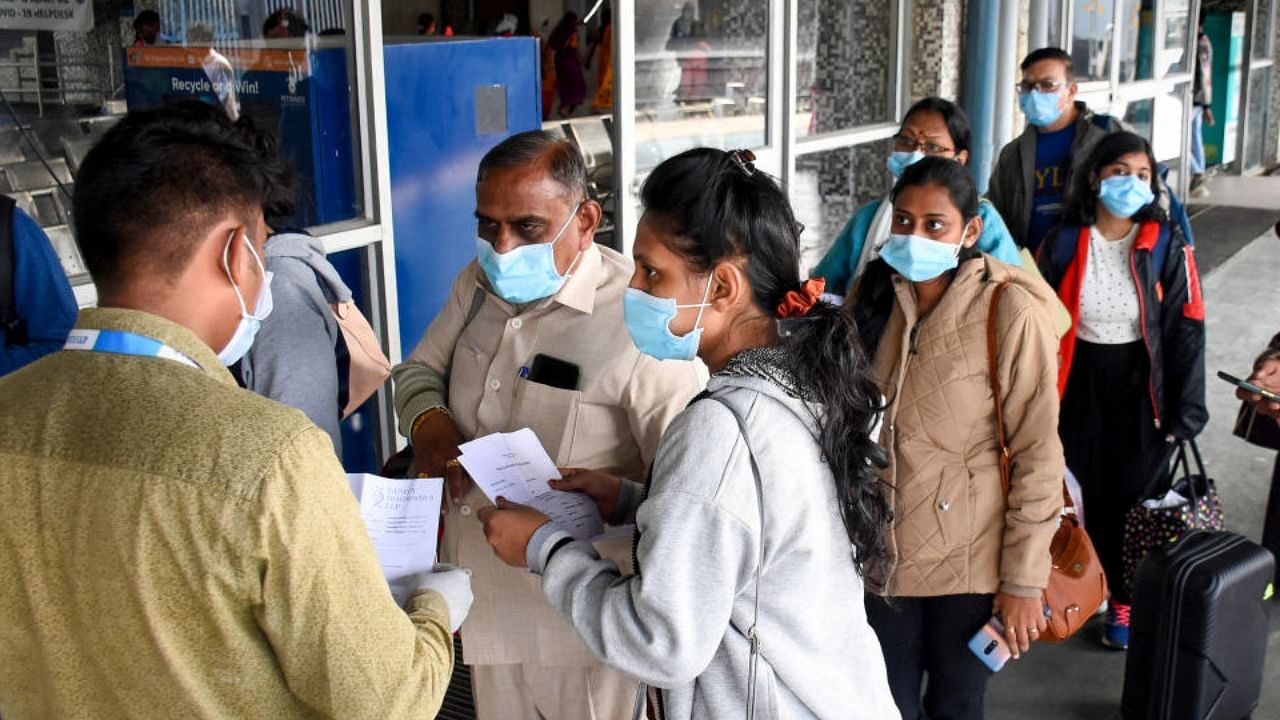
532 336
1033 172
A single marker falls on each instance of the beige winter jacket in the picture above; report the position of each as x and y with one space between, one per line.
953 531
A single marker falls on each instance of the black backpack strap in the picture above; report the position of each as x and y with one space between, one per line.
10 324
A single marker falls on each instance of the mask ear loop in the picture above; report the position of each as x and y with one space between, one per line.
226 267
961 246
572 214
702 306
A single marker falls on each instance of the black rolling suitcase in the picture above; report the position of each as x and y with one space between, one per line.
1198 632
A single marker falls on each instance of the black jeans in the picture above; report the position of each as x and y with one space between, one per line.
931 635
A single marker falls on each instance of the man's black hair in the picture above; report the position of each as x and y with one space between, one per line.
291 20
527 149
146 17
1049 53
149 191
425 20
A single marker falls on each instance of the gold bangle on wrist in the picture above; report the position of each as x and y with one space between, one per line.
417 422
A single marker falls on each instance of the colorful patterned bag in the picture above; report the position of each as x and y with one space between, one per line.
1191 502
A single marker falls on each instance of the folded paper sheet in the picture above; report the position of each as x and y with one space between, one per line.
515 466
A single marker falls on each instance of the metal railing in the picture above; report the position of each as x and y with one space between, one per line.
75 80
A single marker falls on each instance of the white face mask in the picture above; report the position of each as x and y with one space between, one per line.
242 339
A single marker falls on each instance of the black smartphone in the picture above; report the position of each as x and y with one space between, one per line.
554 372
1249 387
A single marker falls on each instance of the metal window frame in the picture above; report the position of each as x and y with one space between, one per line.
1124 93
1246 83
372 232
782 146
899 89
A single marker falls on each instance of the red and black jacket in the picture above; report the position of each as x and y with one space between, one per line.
1163 268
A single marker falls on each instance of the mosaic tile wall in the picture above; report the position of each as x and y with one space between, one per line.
852 86
938 38
852 78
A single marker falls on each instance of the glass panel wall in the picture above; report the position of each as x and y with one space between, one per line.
844 65
829 186
289 67
1091 37
1137 23
701 77
1138 115
1174 57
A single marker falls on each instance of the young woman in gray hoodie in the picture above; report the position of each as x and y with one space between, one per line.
725 554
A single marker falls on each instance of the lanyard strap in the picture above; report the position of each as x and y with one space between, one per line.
124 343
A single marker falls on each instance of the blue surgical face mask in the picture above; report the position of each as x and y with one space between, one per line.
899 161
918 258
1124 195
247 329
648 319
526 273
1041 108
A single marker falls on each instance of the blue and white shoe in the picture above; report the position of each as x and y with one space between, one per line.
1115 634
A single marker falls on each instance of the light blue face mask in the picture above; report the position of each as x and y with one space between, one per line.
526 273
1041 108
918 258
899 161
648 319
242 339
1125 195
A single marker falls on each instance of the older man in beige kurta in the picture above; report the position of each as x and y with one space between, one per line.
524 657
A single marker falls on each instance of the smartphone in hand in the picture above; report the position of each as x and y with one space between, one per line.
990 646
1249 387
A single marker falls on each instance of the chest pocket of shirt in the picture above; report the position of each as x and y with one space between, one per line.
468 373
552 414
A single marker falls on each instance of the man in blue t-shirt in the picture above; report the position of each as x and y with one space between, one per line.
1034 171
1053 164
43 305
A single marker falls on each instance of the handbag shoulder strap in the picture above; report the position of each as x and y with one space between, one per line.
993 371
752 635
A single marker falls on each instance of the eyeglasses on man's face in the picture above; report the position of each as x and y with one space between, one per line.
1045 86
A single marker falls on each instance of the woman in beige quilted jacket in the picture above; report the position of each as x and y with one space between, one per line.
959 549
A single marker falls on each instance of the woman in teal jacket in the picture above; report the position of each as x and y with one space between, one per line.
932 126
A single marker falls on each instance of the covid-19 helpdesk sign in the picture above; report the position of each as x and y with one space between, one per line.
46 15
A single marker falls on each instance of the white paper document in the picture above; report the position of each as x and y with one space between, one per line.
402 517
515 466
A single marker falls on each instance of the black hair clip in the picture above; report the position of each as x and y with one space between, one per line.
745 160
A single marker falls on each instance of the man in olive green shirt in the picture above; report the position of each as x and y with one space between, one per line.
169 543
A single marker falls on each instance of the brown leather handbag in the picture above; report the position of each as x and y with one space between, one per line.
1077 585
